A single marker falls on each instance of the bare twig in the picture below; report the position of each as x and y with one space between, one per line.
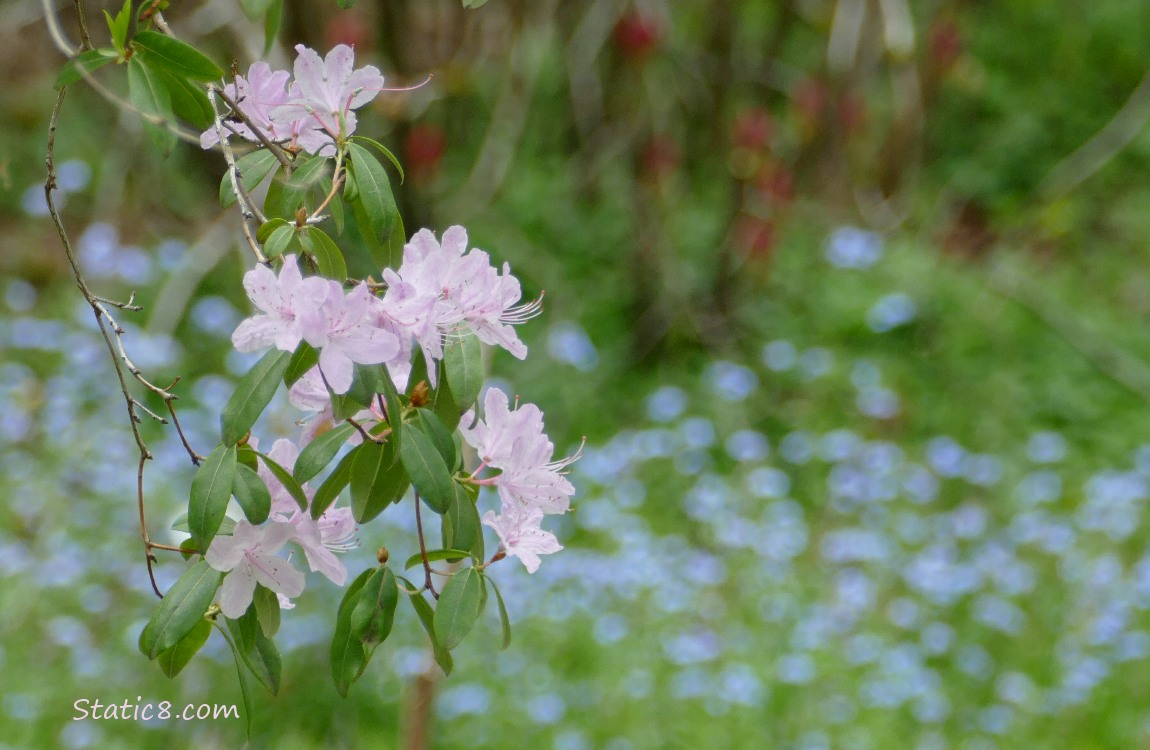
427 584
269 144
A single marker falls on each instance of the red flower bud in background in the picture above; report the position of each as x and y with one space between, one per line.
660 158
752 129
945 44
352 29
851 112
423 151
754 237
775 184
637 36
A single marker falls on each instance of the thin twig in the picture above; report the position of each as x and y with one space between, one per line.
269 144
427 584
247 207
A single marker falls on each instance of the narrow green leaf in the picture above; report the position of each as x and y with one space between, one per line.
246 455
426 617
255 9
320 451
297 190
377 480
374 613
474 3
245 689
504 620
252 395
434 555
267 606
383 150
270 227
254 168
211 490
328 257
461 528
303 359
373 195
345 4
258 652
272 23
427 470
286 479
82 65
278 241
394 407
118 26
460 604
348 655
433 427
179 611
173 660
151 98
332 486
463 363
178 58
252 494
189 101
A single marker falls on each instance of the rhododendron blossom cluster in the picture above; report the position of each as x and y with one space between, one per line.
384 358
313 112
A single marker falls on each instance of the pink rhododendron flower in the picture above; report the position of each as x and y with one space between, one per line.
520 536
346 335
327 91
286 302
259 98
249 557
513 441
467 289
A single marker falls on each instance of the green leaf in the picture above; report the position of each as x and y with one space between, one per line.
188 100
345 4
332 486
270 227
320 451
377 480
374 613
504 620
461 528
303 359
255 9
426 616
82 65
348 655
460 604
286 479
179 611
474 3
327 255
258 652
394 406
383 150
297 189
148 94
211 490
272 23
173 660
245 689
267 607
439 435
278 241
118 26
434 555
178 58
252 395
463 364
252 494
374 203
246 455
427 469
254 168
